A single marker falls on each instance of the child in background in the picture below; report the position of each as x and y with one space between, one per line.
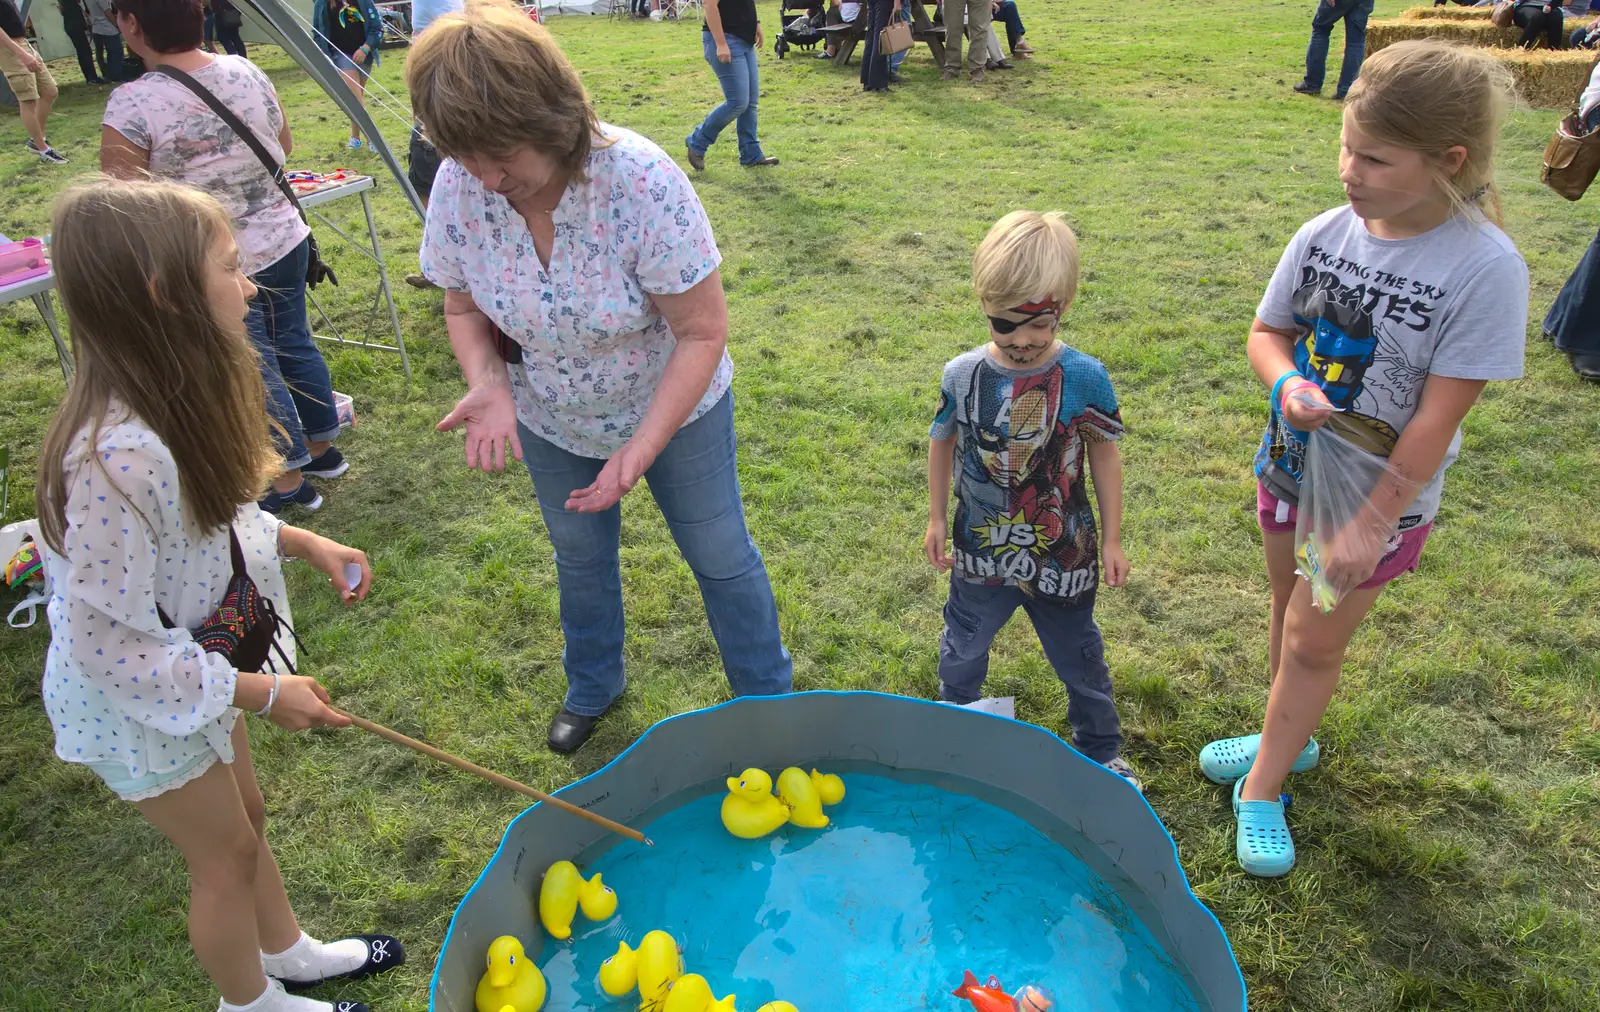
1394 311
159 451
1017 416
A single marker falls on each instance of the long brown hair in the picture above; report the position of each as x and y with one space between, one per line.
489 80
130 264
1431 96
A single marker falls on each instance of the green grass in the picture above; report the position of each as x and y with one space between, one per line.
1448 842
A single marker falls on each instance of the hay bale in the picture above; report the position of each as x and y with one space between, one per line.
1450 13
1549 79
1480 33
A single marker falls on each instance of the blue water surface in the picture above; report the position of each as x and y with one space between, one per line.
879 912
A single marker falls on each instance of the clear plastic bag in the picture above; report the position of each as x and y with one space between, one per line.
1339 535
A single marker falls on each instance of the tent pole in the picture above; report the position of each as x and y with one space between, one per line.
273 18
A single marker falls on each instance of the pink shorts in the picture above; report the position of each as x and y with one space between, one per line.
1405 548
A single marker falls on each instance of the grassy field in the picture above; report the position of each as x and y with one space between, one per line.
1448 841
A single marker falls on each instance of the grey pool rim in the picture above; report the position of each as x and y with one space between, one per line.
816 728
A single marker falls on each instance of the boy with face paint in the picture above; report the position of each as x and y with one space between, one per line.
1018 418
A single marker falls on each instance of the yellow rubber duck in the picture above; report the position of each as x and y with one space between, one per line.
777 1006
830 788
564 891
800 793
513 983
691 993
651 968
750 811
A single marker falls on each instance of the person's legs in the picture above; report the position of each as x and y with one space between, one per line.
206 820
1573 321
695 482
356 81
955 14
973 615
1322 23
269 313
1355 44
874 63
1308 673
228 35
100 54
735 84
1075 648
275 920
1012 18
979 15
31 122
81 46
588 574
300 361
744 60
114 67
1279 549
1555 28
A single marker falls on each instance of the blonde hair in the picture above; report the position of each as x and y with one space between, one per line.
489 80
1027 255
1430 96
130 264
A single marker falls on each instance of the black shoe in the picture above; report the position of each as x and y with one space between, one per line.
330 465
1306 89
1586 366
896 78
769 160
697 159
1338 96
305 497
568 731
384 953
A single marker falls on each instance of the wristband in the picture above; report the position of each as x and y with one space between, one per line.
1277 387
1295 386
272 697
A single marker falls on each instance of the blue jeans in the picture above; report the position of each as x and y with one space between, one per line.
695 482
299 390
108 51
1013 21
1574 318
740 90
973 616
895 59
1354 14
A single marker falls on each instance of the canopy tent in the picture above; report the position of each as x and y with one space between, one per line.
280 23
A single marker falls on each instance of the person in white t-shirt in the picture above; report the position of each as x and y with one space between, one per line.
1383 323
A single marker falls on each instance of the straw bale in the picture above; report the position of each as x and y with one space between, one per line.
1549 79
1469 33
1447 13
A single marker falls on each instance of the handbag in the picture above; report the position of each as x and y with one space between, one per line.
1504 14
1572 158
316 271
244 628
895 38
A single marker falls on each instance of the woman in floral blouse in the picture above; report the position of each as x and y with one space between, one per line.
585 307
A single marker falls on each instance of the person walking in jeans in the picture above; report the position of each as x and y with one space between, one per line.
598 356
1354 14
157 126
107 40
732 40
76 24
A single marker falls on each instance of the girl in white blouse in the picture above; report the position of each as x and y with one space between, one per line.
160 447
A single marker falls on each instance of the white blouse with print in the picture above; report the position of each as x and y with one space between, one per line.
594 345
117 685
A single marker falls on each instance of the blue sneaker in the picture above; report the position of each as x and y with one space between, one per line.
331 464
355 144
305 497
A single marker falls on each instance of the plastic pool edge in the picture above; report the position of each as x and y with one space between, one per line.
1091 767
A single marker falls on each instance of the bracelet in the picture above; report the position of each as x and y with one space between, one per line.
272 697
1277 387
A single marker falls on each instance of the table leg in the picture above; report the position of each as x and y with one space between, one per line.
383 283
63 353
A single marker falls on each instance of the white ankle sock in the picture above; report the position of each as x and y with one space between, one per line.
309 959
276 999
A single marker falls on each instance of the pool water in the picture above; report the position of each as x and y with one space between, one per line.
879 912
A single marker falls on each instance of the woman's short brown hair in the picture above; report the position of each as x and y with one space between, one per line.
169 26
489 80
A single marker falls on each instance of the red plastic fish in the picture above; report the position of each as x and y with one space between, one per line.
988 997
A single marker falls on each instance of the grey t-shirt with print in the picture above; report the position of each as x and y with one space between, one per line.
1376 317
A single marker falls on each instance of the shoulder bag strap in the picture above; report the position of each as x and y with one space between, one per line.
237 126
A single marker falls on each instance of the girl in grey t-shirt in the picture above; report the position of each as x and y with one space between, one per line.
1383 321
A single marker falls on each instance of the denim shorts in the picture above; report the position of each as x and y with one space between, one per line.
143 788
346 64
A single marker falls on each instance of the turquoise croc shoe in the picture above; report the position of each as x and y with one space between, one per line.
1225 760
1264 847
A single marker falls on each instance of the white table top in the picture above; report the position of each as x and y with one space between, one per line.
47 282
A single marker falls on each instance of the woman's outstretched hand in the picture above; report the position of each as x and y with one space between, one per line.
490 415
615 480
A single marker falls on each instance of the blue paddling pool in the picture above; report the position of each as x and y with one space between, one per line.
964 842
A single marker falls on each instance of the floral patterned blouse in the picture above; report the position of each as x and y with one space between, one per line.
117 684
593 343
